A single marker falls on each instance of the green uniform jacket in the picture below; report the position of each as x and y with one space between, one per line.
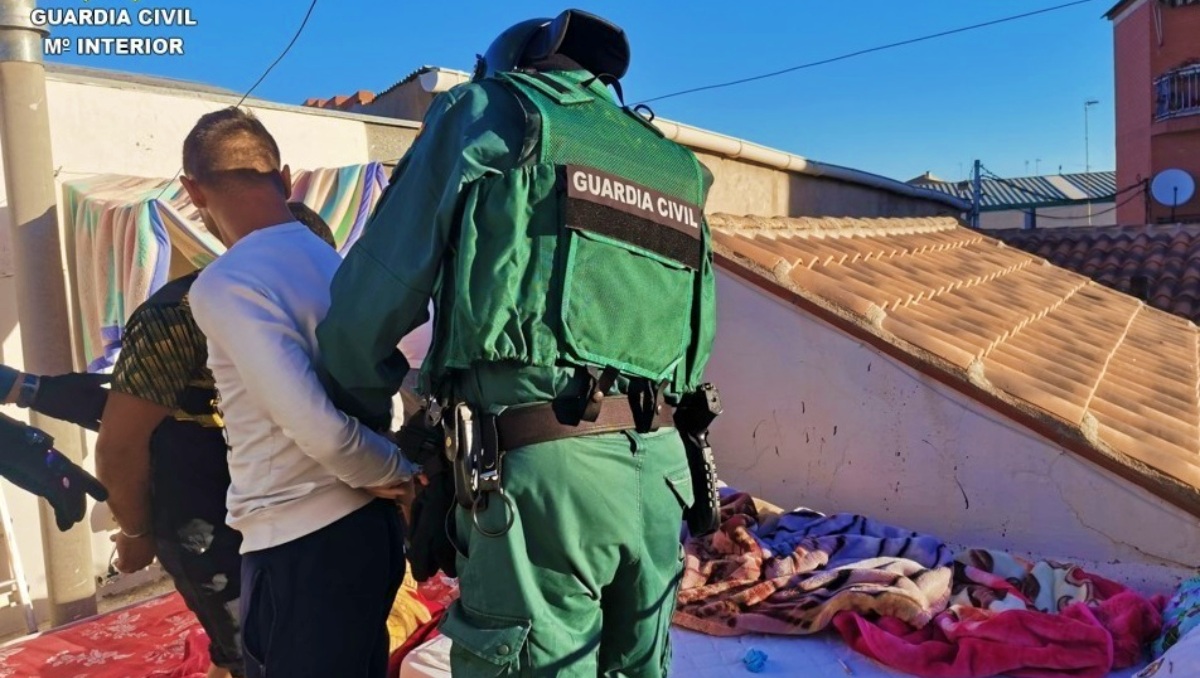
382 291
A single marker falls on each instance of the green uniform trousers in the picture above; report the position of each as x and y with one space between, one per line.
584 583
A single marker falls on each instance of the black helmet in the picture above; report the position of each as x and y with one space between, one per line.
597 45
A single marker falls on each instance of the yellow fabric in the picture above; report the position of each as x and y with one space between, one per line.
407 614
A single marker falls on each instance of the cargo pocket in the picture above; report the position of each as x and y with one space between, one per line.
680 483
485 645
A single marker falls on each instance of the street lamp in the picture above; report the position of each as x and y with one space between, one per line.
1087 150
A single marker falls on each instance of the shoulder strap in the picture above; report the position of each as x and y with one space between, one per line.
559 90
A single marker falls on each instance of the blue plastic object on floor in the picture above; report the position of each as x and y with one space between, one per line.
755 661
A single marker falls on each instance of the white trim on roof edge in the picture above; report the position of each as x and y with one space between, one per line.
113 79
739 149
693 137
1124 14
436 80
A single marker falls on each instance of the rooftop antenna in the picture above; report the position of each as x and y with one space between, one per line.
1087 147
1087 150
1172 188
976 193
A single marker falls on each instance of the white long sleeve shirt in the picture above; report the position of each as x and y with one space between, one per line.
295 460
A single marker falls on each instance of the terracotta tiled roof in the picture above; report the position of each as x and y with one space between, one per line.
416 74
360 98
1160 264
1097 371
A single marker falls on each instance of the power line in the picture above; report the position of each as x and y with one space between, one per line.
861 52
311 7
284 53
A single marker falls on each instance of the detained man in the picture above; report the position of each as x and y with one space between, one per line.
312 490
162 454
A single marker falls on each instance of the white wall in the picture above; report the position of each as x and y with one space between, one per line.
1063 216
97 130
136 130
816 418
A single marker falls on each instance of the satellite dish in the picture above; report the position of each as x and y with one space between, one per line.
1173 187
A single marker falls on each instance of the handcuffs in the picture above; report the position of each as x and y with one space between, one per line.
472 447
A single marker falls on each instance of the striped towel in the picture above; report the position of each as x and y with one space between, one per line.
121 255
344 198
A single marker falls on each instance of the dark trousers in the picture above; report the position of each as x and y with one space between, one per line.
202 559
318 606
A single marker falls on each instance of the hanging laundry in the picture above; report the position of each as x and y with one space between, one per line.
344 197
122 254
129 235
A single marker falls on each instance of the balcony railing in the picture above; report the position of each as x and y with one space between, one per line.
1177 93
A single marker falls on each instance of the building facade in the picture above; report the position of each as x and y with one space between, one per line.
1157 55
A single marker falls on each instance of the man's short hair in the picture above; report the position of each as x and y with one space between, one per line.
309 217
230 142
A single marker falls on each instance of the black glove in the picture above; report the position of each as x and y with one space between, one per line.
419 439
430 548
76 397
422 441
29 460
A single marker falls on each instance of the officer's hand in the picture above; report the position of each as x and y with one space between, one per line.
68 489
72 477
418 441
133 554
76 397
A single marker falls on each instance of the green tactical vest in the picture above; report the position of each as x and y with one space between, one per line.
592 252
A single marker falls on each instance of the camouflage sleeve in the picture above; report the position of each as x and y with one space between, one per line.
159 354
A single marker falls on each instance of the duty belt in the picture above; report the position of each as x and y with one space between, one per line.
477 442
533 424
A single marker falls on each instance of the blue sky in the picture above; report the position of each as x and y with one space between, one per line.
1009 94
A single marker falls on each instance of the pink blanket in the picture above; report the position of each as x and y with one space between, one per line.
1009 616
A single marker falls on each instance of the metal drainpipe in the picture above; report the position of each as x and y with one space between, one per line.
41 282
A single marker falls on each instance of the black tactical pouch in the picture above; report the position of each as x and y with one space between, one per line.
696 412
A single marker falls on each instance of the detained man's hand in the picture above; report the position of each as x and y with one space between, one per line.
133 554
404 491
